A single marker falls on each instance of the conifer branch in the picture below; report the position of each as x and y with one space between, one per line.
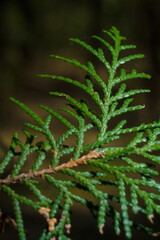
130 169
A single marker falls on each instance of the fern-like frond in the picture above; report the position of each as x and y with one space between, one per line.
131 170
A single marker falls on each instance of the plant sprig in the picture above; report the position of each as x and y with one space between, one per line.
130 169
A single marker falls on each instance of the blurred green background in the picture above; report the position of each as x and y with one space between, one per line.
31 30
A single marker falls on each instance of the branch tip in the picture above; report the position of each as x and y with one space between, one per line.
68 228
150 217
101 229
156 234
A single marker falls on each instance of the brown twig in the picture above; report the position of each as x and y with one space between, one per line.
6 220
70 164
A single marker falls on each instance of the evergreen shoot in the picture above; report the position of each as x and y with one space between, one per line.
92 166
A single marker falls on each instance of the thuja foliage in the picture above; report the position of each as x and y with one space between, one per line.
87 167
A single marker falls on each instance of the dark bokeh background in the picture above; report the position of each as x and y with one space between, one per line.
31 30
